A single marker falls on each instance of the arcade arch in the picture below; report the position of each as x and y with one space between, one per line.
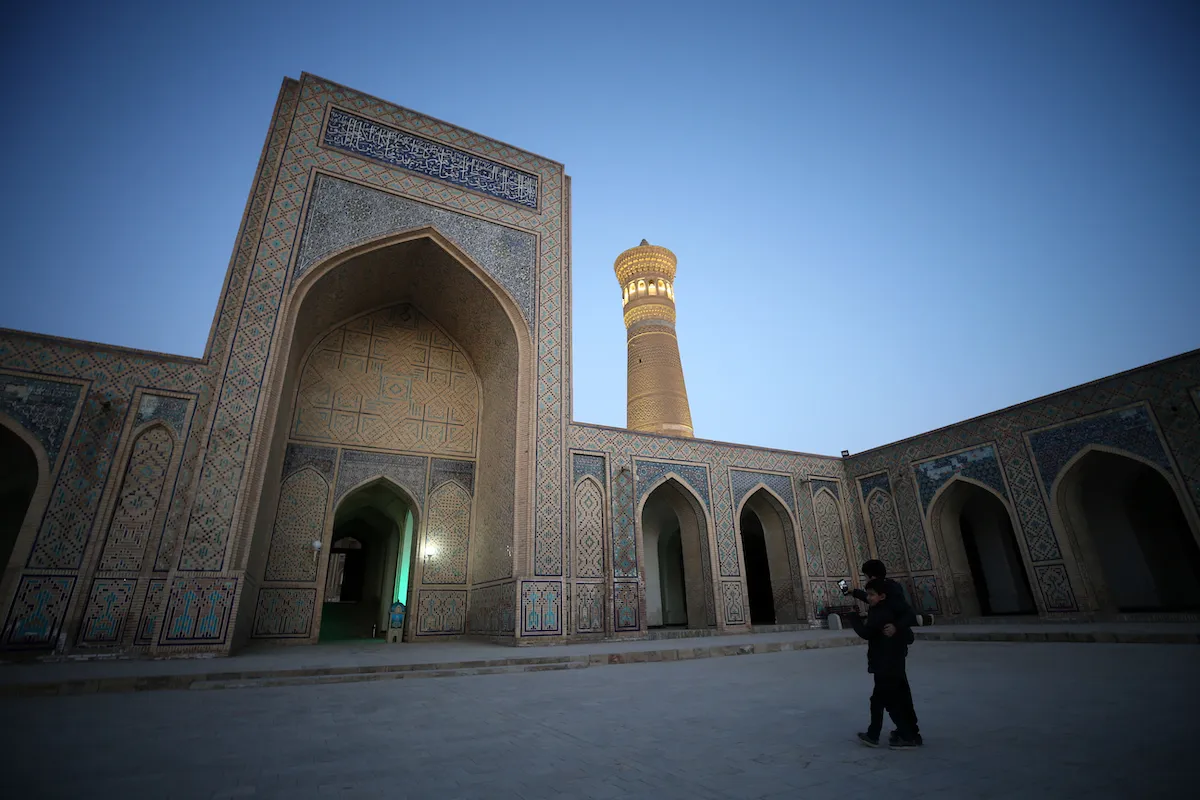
1134 537
671 522
767 533
19 477
980 543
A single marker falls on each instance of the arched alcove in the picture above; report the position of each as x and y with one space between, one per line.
671 522
351 307
1135 538
980 543
19 477
768 541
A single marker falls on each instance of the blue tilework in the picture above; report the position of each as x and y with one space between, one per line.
321 459
446 469
407 472
541 607
44 408
171 410
832 486
370 139
650 471
980 464
1130 430
584 464
742 481
870 484
624 532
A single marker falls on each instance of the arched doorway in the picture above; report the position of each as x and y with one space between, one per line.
981 545
1132 532
18 482
767 542
369 564
672 522
410 359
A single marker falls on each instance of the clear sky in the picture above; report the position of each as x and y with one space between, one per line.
889 217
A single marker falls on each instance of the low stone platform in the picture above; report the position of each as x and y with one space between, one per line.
276 665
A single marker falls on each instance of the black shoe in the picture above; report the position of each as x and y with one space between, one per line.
894 737
869 740
903 744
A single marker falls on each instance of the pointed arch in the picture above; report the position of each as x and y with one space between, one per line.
140 510
1132 529
588 524
985 558
831 532
785 578
299 523
670 494
24 492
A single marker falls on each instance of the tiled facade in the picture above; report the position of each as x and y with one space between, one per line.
170 518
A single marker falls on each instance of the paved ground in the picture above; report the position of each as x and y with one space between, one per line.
1001 720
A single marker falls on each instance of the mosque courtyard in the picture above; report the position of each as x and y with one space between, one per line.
1000 720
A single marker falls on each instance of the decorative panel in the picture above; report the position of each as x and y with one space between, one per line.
743 481
626 605
370 139
106 612
357 467
171 411
624 533
37 610
882 514
446 469
925 594
493 610
584 464
447 535
141 494
589 607
831 532
1129 429
298 456
589 529
391 380
1056 587
733 602
650 471
441 612
284 613
198 610
152 612
343 214
44 408
980 464
541 607
299 521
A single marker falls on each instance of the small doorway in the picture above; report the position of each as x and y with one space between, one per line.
18 482
369 564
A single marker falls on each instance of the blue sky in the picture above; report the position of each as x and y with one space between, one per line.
889 217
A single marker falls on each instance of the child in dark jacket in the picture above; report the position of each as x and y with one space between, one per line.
886 661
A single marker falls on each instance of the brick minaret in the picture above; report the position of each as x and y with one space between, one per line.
657 396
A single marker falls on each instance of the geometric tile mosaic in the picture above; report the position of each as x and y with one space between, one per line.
447 531
321 459
589 529
44 408
1055 586
171 410
299 521
541 604
980 464
873 482
284 612
732 602
624 535
650 471
589 607
370 139
584 464
493 610
133 521
831 533
925 594
742 481
198 610
407 472
107 611
1129 429
447 469
152 612
441 612
390 380
38 609
625 606
343 214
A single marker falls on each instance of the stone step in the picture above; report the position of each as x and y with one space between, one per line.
359 677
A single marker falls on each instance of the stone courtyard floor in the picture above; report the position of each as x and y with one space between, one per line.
1046 720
